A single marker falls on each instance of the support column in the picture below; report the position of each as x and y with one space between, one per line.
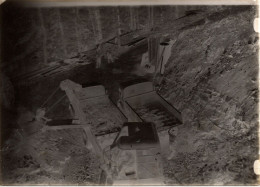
44 36
76 28
133 18
150 17
118 27
99 26
177 12
62 34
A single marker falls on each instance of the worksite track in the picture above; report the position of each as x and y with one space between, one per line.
151 107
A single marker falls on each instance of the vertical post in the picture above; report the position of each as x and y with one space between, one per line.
150 17
118 27
44 38
137 18
177 11
99 26
149 48
62 33
94 14
76 28
92 18
131 18
153 46
161 15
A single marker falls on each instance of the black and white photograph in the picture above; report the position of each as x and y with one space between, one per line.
129 94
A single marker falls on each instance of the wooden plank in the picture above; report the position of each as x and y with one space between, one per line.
61 127
32 73
69 87
50 70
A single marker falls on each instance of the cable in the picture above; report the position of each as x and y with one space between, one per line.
59 100
52 94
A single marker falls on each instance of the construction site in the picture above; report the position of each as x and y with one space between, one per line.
128 95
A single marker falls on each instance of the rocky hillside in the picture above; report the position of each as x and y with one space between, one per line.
212 78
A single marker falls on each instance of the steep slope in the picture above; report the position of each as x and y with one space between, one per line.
211 78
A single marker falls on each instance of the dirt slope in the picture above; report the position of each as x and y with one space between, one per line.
211 78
